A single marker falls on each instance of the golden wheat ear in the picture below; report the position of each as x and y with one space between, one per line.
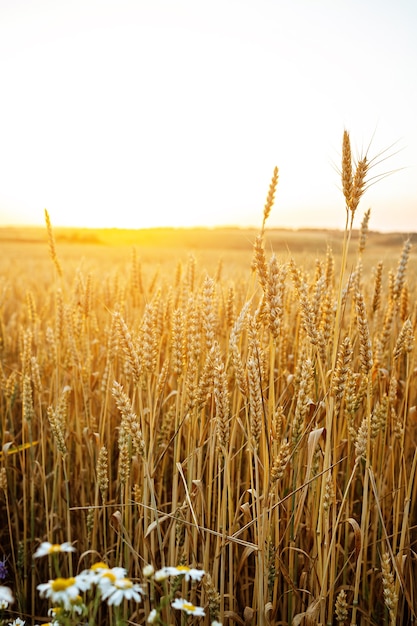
51 241
270 199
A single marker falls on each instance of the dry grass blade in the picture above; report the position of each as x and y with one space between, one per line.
308 617
357 536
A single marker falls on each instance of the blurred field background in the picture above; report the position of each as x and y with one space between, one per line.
158 245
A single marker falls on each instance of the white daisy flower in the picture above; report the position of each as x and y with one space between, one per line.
85 580
181 570
109 576
148 570
99 574
17 622
6 596
61 591
161 574
77 608
122 588
152 616
52 548
88 577
189 608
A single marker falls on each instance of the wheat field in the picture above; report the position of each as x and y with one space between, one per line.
253 416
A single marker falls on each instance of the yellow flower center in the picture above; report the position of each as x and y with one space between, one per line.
110 576
188 607
62 584
55 611
76 601
183 568
123 583
99 565
55 547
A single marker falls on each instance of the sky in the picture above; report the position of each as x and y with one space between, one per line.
142 113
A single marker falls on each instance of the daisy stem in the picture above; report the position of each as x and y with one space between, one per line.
55 560
119 619
92 621
67 493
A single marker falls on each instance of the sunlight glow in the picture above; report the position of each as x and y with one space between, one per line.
138 114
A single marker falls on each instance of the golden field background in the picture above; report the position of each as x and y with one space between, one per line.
229 400
102 248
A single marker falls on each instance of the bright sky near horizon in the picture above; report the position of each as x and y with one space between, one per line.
138 113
